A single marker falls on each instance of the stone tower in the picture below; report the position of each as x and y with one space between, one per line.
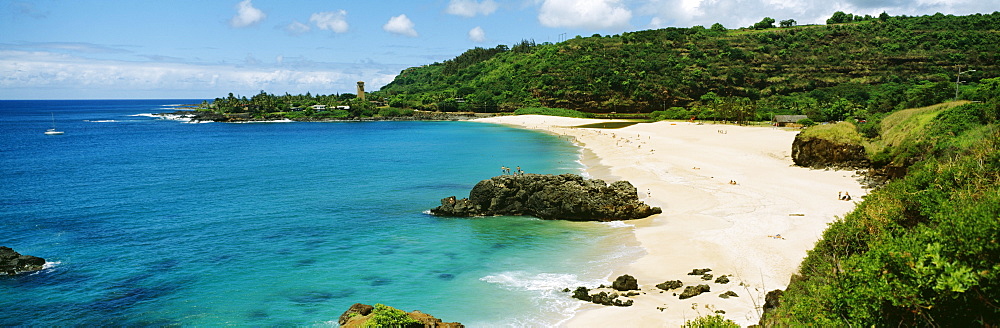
361 90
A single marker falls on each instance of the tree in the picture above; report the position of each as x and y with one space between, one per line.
839 18
988 89
883 16
767 22
718 27
346 96
788 23
929 93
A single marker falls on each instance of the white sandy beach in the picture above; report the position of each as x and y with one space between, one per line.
686 169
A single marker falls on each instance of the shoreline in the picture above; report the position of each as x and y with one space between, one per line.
194 116
686 169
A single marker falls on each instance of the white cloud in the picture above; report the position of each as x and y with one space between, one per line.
246 15
594 14
400 25
477 34
657 22
47 75
297 28
335 21
743 13
471 8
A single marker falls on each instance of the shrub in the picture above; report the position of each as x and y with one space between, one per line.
393 112
806 122
843 132
552 112
295 115
398 103
672 113
336 113
711 321
386 316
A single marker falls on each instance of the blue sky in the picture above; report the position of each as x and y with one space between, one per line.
102 49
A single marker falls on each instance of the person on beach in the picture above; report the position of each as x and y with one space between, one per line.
847 196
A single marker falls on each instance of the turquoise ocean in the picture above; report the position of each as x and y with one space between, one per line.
152 222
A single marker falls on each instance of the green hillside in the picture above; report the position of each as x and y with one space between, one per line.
829 72
921 251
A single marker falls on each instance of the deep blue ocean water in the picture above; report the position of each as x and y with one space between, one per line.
145 221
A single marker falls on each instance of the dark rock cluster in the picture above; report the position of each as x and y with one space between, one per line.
12 262
821 153
549 197
603 298
698 272
622 283
625 282
728 294
672 284
692 291
630 284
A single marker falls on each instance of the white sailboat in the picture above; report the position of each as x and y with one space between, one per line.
53 130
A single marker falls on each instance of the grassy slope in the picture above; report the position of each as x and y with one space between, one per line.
908 124
841 132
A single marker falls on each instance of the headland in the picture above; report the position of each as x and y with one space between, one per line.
732 201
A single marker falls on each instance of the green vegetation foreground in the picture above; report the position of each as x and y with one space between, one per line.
922 250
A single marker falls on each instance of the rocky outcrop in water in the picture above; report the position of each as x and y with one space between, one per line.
12 262
821 153
549 197
359 314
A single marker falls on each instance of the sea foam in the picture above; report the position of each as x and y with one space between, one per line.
548 294
618 224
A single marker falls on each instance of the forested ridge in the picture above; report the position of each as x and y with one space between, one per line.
829 72
852 68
